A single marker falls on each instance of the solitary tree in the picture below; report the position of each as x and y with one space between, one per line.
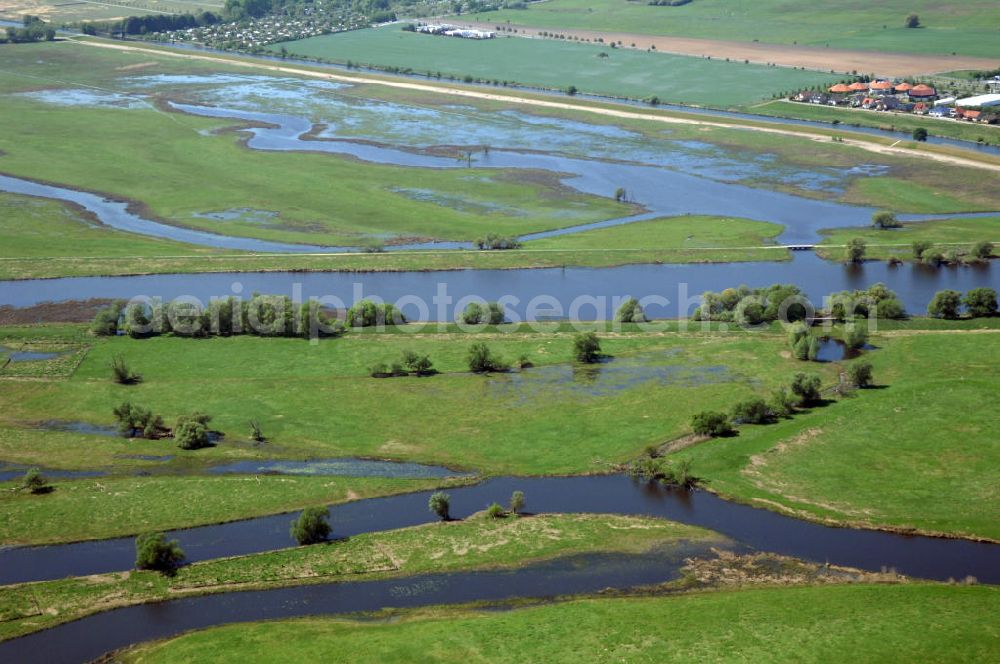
35 482
982 250
920 134
711 423
860 374
440 504
856 248
495 511
883 220
517 502
191 432
630 312
311 527
153 551
121 373
912 21
919 247
945 304
981 302
587 347
482 359
806 387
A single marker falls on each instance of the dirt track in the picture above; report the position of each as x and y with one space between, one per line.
471 93
810 57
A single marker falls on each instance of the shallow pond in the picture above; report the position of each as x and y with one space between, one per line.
346 467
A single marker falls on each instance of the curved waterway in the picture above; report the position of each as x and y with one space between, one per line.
88 638
578 293
927 557
661 182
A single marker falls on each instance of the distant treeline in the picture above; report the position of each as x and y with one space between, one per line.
140 25
34 30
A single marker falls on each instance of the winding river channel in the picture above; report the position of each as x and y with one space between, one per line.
665 186
748 528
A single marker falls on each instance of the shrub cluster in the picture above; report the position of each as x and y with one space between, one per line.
410 364
482 359
753 306
493 241
877 301
978 303
490 313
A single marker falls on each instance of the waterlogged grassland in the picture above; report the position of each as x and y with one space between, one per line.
588 419
958 234
618 73
475 543
177 172
966 28
920 451
70 247
806 624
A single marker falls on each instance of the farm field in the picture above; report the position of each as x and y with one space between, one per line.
619 73
966 28
100 10
882 621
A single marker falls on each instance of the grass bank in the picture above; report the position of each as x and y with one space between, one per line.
806 624
914 453
947 234
475 543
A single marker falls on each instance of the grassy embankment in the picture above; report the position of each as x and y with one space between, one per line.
805 624
965 131
916 452
966 28
475 543
618 73
958 234
47 239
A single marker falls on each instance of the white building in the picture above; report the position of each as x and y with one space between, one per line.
980 100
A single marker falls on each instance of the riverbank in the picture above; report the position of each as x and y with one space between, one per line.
476 543
815 624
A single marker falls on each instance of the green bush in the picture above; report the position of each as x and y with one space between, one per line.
945 304
420 365
517 502
495 511
153 551
860 374
884 220
752 411
782 402
982 250
440 504
138 422
35 482
920 247
710 423
806 387
855 336
121 373
105 323
482 359
855 251
587 348
490 313
981 302
366 313
630 312
311 526
191 432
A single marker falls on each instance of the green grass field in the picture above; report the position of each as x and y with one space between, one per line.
965 28
475 543
623 73
819 624
291 387
847 117
48 239
915 453
949 234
